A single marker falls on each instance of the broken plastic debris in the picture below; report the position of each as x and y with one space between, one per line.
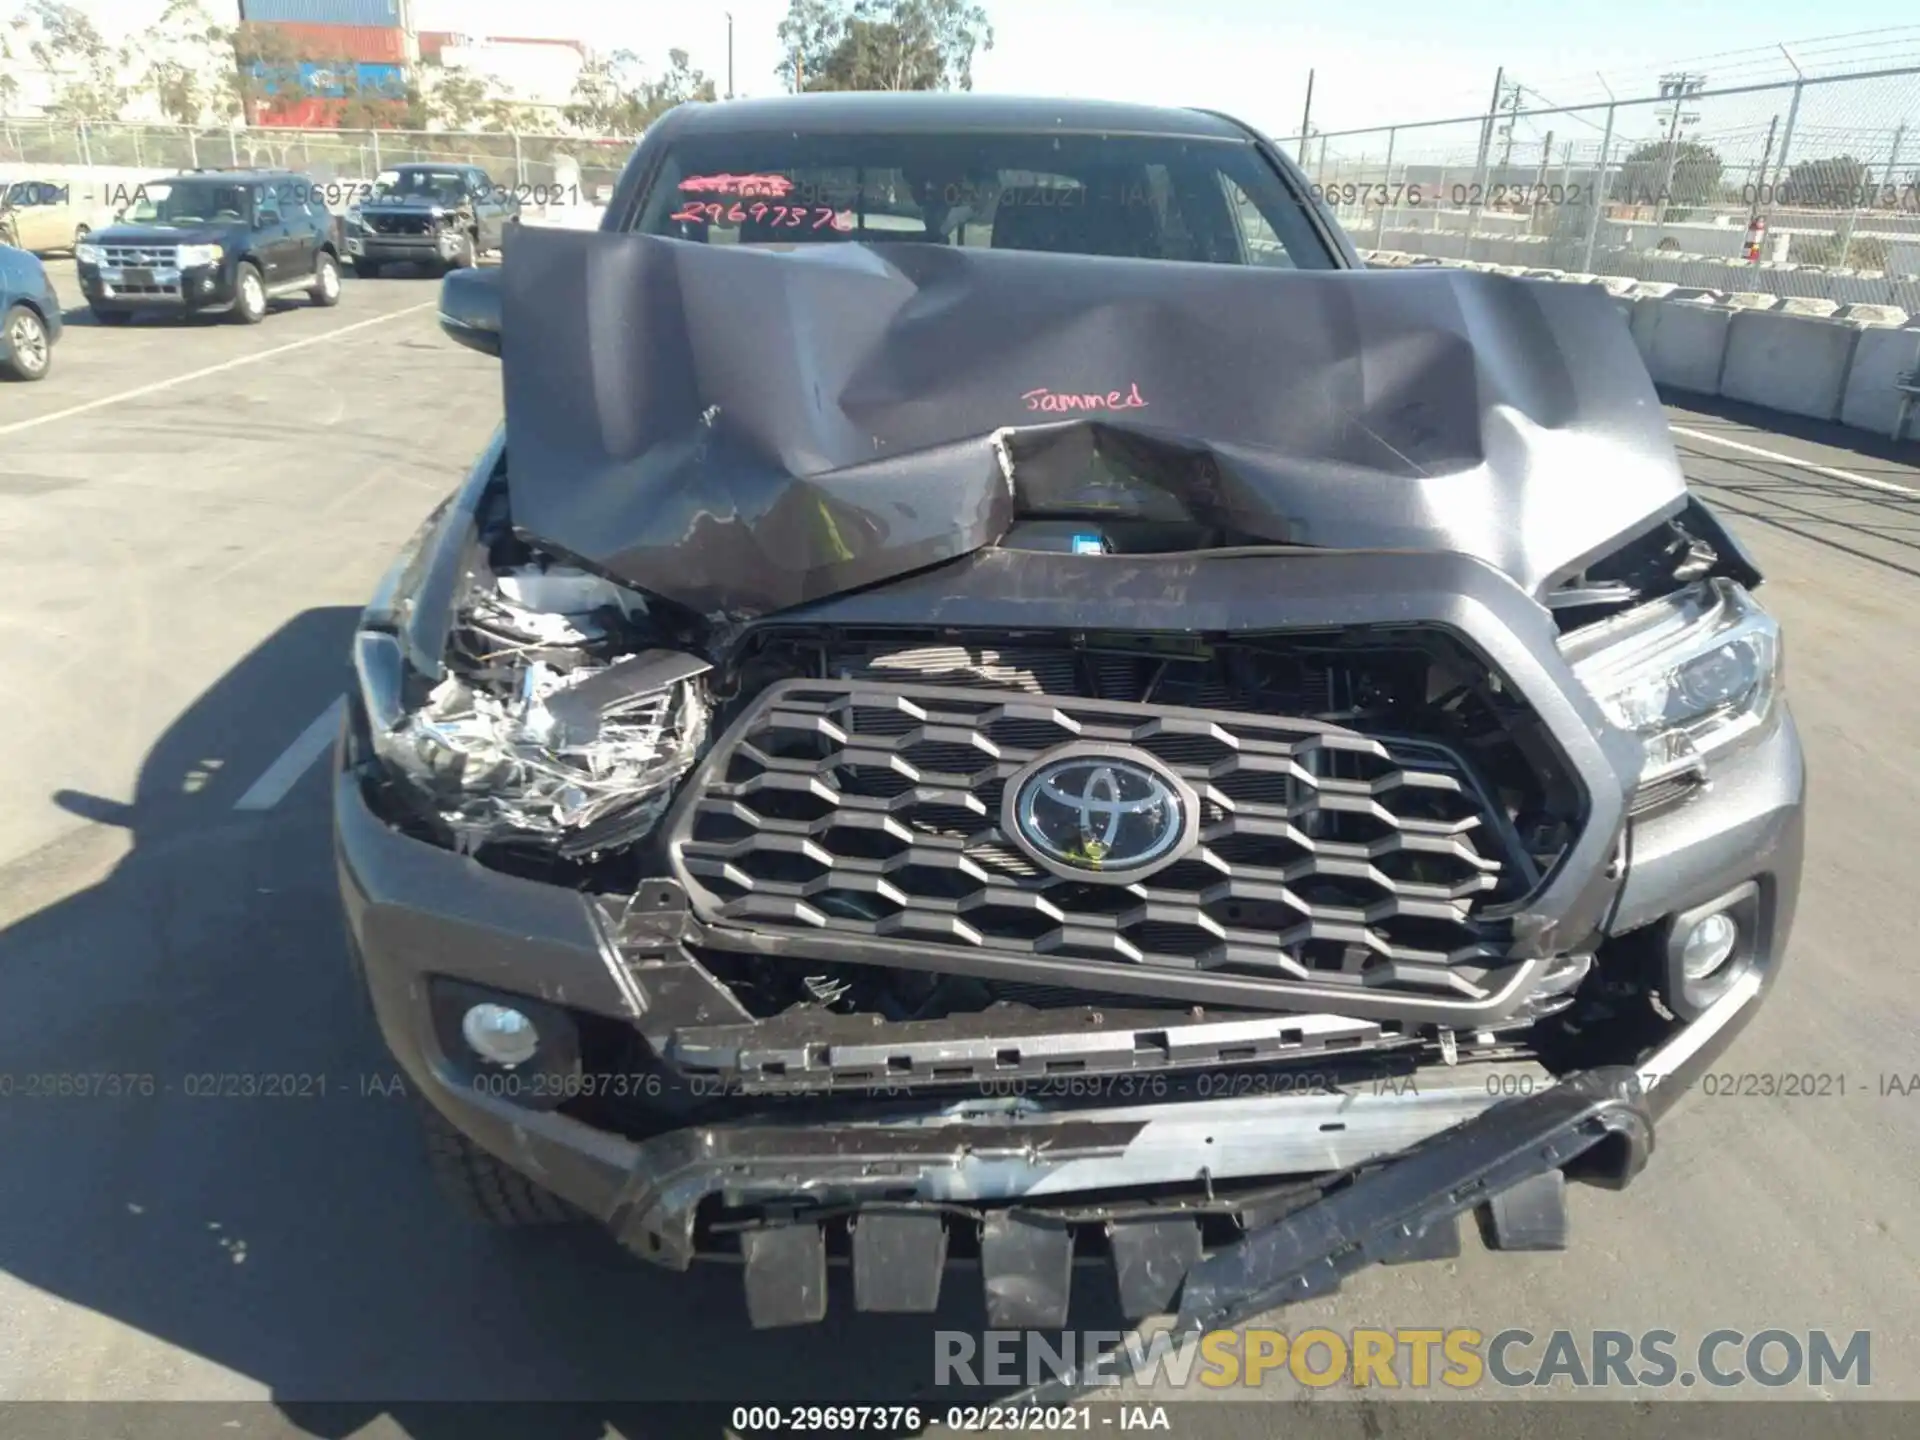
510 762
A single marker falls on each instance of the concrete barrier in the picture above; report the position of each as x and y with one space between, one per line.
1787 361
1687 343
1643 318
1801 354
1880 355
1872 314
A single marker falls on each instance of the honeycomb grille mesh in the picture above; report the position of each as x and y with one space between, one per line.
1324 855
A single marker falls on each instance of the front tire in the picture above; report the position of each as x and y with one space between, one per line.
326 281
249 294
29 350
481 1187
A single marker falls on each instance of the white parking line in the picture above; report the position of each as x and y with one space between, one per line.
250 358
281 776
1847 475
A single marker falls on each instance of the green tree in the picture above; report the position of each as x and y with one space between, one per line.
605 97
680 85
1867 252
1835 183
266 70
882 44
1643 175
613 97
459 99
10 52
505 113
83 69
188 64
366 107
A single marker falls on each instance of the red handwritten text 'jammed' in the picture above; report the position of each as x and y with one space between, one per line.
1044 399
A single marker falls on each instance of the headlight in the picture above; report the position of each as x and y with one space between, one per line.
85 254
551 720
193 256
1690 674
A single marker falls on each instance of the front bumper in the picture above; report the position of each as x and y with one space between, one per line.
434 247
1026 1172
190 290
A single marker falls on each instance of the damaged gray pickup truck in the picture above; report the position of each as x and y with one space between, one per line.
999 699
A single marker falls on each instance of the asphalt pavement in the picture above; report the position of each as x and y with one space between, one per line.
193 516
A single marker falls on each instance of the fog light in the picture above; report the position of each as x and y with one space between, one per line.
500 1034
1707 946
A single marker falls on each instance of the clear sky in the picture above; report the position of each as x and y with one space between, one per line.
1377 61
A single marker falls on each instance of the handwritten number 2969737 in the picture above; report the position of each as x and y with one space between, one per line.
782 217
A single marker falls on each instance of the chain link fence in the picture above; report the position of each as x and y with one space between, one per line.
511 158
1829 167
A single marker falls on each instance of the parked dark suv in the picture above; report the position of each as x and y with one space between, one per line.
442 215
213 240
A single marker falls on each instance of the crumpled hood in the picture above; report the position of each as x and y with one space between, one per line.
741 430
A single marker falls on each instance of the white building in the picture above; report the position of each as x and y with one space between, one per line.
533 72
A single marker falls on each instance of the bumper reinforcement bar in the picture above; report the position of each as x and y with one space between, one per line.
1397 1210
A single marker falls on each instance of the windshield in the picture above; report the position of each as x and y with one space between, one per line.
447 187
1143 197
188 202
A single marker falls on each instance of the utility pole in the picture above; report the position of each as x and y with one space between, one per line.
729 54
1512 105
1478 194
1600 189
1538 198
1786 138
1681 87
1306 119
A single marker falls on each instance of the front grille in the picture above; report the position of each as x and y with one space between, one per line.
143 257
400 224
872 809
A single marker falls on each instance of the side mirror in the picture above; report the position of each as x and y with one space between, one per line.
470 309
264 218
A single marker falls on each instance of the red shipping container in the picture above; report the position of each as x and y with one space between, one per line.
315 113
344 42
320 114
432 42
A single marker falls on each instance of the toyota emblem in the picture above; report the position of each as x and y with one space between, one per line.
1090 813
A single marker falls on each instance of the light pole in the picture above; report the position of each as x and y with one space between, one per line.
1681 87
729 54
